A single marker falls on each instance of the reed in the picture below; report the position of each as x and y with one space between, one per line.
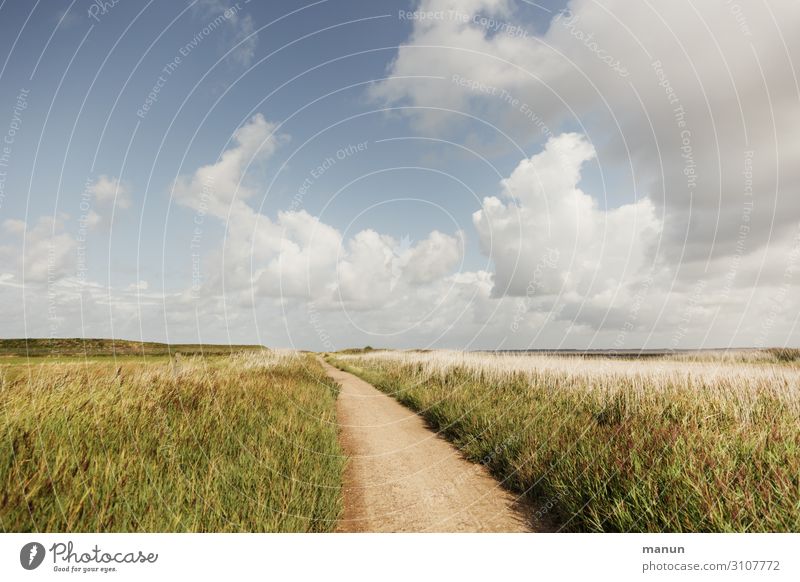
656 444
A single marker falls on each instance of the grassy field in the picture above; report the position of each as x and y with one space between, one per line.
694 443
93 348
237 443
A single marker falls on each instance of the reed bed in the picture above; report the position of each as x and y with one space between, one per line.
239 443
655 444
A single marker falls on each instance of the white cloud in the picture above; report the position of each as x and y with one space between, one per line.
14 226
454 46
40 253
664 265
302 265
433 257
546 237
699 131
731 73
219 188
110 191
297 256
377 271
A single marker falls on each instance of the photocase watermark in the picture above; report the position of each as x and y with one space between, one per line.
777 302
570 21
506 98
679 114
399 260
548 262
52 296
322 168
477 86
100 8
10 137
173 65
85 221
31 555
67 559
691 308
744 225
546 507
315 174
491 25
316 323
436 496
633 312
738 15
195 242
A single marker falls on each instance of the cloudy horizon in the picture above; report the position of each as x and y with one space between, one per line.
474 174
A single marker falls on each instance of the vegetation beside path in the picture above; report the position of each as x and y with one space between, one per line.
702 443
239 443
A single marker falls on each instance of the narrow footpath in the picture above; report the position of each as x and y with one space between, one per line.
403 477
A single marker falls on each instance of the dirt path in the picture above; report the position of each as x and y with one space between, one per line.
403 477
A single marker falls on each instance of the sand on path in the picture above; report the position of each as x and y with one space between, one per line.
403 477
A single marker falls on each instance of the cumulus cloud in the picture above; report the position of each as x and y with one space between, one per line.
296 256
216 188
42 252
547 237
688 108
453 45
378 270
110 196
14 226
111 191
433 257
706 90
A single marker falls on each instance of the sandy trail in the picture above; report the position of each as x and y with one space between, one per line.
403 477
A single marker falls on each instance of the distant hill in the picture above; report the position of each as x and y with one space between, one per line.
44 347
364 350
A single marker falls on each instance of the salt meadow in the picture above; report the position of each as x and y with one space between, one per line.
661 438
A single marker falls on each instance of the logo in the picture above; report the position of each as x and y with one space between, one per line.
31 555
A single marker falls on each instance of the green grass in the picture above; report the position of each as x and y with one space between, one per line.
89 347
240 443
654 446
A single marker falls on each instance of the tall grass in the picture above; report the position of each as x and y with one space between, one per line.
618 445
226 443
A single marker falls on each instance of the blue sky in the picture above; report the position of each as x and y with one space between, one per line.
88 83
359 89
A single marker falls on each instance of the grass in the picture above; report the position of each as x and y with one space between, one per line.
237 443
673 444
89 347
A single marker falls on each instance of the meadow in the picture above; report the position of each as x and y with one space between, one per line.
243 442
702 442
94 348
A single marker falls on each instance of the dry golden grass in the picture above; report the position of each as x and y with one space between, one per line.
656 444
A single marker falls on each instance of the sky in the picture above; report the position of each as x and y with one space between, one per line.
472 174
